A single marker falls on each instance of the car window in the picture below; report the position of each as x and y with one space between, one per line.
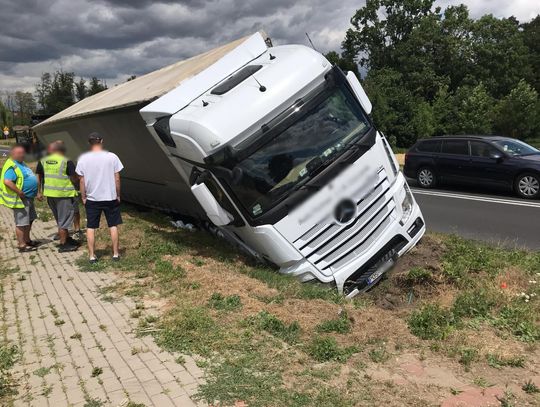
429 146
481 149
455 147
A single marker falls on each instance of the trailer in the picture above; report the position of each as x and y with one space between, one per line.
272 145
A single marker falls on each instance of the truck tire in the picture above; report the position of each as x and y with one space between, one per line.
527 185
426 177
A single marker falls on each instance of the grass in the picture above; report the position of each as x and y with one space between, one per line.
266 339
431 322
530 388
326 348
273 325
499 362
225 303
340 325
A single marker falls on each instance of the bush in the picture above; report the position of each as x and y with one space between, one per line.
431 322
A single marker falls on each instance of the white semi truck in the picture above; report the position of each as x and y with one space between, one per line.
273 145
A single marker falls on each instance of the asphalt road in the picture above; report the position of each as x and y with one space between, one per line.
489 216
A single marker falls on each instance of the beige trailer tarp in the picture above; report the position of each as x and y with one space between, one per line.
147 87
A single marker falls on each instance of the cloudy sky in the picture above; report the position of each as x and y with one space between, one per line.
113 39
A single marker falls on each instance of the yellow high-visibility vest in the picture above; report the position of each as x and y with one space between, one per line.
8 197
57 183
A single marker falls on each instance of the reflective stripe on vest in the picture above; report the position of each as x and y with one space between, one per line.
57 183
8 197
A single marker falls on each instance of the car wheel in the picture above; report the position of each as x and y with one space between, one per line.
426 177
527 185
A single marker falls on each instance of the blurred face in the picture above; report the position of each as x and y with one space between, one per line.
18 154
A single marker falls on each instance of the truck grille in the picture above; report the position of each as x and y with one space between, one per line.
329 246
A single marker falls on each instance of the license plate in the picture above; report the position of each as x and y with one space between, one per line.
380 271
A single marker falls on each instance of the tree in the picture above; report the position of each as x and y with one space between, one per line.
25 106
475 112
80 89
434 71
343 63
43 91
96 86
518 114
531 39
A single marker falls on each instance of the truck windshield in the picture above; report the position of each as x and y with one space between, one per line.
320 132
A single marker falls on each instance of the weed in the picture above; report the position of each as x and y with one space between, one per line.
431 322
167 272
518 319
103 327
529 387
419 275
188 330
135 314
506 399
474 303
379 354
482 382
59 322
270 323
96 371
43 371
326 348
341 325
228 303
467 356
498 362
181 360
76 335
133 404
90 402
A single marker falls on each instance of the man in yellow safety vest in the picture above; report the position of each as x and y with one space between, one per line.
57 178
18 188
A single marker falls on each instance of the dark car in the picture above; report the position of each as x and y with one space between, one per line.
483 160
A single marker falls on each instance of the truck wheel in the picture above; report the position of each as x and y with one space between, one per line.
426 177
527 185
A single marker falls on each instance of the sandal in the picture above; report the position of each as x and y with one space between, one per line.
33 243
27 249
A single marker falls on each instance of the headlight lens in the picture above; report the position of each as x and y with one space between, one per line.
406 205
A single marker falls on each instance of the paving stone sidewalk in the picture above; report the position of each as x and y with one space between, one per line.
74 346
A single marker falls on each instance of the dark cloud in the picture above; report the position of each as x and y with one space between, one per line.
114 39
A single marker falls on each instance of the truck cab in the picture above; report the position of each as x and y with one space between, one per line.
279 150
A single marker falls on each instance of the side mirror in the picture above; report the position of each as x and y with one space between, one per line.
217 215
496 156
359 92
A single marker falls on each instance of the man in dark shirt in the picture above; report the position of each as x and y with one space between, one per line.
57 178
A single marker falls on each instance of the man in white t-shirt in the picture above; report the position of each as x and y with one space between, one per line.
99 172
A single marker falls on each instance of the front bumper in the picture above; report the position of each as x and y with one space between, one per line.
396 239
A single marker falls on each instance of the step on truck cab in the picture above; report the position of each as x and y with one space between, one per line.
278 148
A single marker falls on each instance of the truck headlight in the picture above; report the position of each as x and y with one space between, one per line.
406 205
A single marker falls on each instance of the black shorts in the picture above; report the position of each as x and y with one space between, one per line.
111 209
